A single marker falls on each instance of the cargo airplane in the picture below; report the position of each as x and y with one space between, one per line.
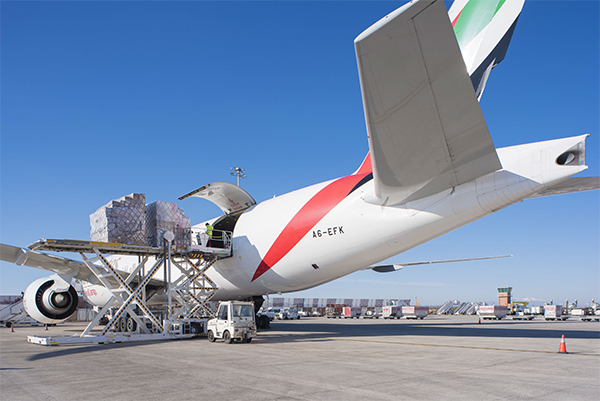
431 167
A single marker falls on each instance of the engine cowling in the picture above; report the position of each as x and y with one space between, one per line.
50 300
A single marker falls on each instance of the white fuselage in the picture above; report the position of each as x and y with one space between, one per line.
323 232
357 233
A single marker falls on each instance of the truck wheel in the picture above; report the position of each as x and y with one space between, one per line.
131 324
123 324
211 336
227 337
195 329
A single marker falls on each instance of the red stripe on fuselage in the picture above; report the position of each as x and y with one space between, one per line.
306 218
365 167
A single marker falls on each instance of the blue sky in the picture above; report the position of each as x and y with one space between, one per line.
102 99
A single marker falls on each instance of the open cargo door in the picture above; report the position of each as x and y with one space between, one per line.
228 197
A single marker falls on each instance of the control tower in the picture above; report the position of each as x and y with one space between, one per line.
504 294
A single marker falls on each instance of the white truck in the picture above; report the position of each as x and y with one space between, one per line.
554 312
270 313
349 312
415 312
234 321
391 312
492 312
287 313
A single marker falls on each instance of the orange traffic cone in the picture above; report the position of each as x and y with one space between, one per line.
479 320
12 328
563 346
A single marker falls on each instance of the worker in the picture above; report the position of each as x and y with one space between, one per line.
209 232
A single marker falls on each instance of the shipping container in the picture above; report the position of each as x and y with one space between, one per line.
554 312
391 312
415 312
349 312
495 312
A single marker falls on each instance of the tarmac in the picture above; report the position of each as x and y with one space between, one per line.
438 358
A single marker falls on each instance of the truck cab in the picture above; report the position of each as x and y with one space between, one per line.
234 321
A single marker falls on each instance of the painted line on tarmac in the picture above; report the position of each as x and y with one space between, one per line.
454 346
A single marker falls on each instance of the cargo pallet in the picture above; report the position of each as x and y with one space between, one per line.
192 286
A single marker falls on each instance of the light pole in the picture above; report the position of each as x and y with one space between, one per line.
239 173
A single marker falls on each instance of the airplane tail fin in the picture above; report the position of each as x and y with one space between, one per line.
483 29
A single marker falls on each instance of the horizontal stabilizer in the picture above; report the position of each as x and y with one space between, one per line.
573 184
425 127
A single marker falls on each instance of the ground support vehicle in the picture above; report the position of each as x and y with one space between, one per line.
268 313
370 315
595 316
349 313
492 312
234 321
554 312
15 315
391 312
133 319
589 317
415 312
287 313
522 316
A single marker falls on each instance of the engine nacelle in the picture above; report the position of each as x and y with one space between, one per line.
97 295
50 300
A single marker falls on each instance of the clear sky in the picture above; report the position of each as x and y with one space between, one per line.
102 99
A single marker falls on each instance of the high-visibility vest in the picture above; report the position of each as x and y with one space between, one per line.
209 231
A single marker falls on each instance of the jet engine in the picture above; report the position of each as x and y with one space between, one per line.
50 299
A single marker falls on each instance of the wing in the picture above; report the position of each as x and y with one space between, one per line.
399 266
484 29
63 266
55 264
425 127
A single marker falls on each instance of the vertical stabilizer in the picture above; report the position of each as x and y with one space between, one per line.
483 29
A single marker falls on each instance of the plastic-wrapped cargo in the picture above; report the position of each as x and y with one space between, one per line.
166 216
121 220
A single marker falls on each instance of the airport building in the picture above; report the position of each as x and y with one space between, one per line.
332 302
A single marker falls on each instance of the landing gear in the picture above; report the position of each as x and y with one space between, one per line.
263 322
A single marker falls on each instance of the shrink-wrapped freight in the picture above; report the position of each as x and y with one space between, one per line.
121 220
165 216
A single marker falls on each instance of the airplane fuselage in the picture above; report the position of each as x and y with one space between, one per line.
320 233
326 231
